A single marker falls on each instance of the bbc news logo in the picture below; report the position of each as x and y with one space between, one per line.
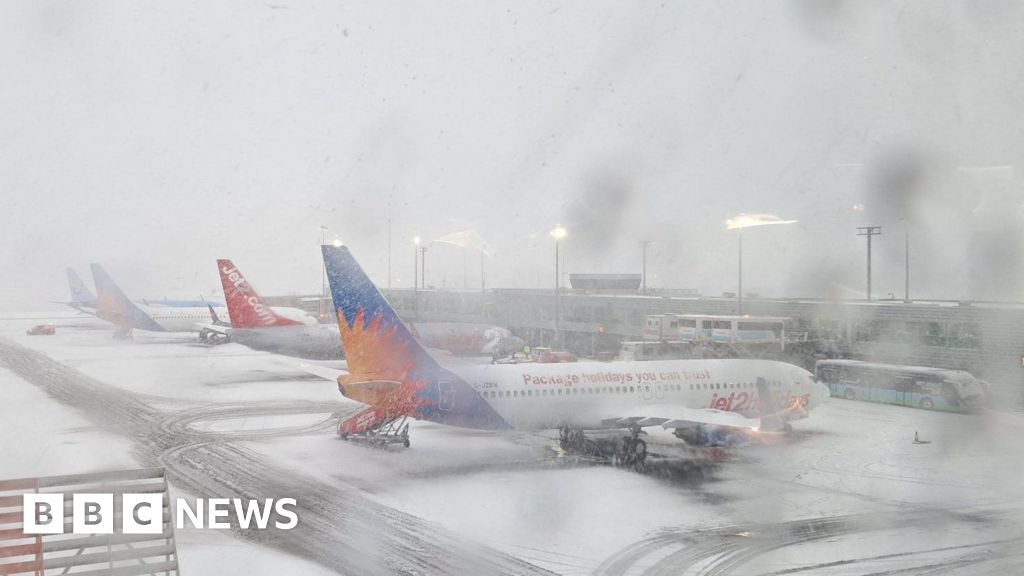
143 513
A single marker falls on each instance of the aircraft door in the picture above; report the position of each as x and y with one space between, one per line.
445 395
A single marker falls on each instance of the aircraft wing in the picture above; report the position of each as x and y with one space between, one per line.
671 416
323 371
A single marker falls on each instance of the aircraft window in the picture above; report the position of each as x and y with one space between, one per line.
631 389
529 392
516 393
545 392
559 391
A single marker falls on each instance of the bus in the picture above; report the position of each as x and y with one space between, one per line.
711 329
917 386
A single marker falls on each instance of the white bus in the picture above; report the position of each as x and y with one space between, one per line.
706 328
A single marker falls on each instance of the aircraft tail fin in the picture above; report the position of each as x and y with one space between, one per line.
80 293
378 345
388 368
114 306
214 317
245 307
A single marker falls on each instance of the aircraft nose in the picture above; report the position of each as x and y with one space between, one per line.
819 393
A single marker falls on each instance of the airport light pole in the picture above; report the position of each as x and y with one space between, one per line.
323 273
423 267
906 263
643 249
739 275
388 249
558 233
869 231
416 276
748 221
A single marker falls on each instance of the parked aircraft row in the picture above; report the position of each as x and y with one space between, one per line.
391 370
249 320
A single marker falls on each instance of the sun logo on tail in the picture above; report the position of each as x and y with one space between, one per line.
377 354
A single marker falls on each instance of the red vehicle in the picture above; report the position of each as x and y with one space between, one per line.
549 356
42 330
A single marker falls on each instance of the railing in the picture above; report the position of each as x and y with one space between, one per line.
78 554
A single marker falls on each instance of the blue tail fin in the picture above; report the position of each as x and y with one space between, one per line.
80 293
388 368
375 339
113 306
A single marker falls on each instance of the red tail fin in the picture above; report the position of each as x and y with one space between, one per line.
246 308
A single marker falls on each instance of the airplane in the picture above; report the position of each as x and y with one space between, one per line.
466 339
288 331
115 307
701 401
83 299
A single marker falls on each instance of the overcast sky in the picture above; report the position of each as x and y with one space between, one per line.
155 137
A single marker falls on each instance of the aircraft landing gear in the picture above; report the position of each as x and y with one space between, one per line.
621 451
388 432
633 451
213 338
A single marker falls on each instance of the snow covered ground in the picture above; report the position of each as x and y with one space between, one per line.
850 493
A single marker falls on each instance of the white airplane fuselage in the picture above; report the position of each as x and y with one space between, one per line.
310 341
181 319
583 394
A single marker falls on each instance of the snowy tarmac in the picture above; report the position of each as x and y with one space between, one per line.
849 493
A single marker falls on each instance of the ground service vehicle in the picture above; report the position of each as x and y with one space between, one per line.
919 386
